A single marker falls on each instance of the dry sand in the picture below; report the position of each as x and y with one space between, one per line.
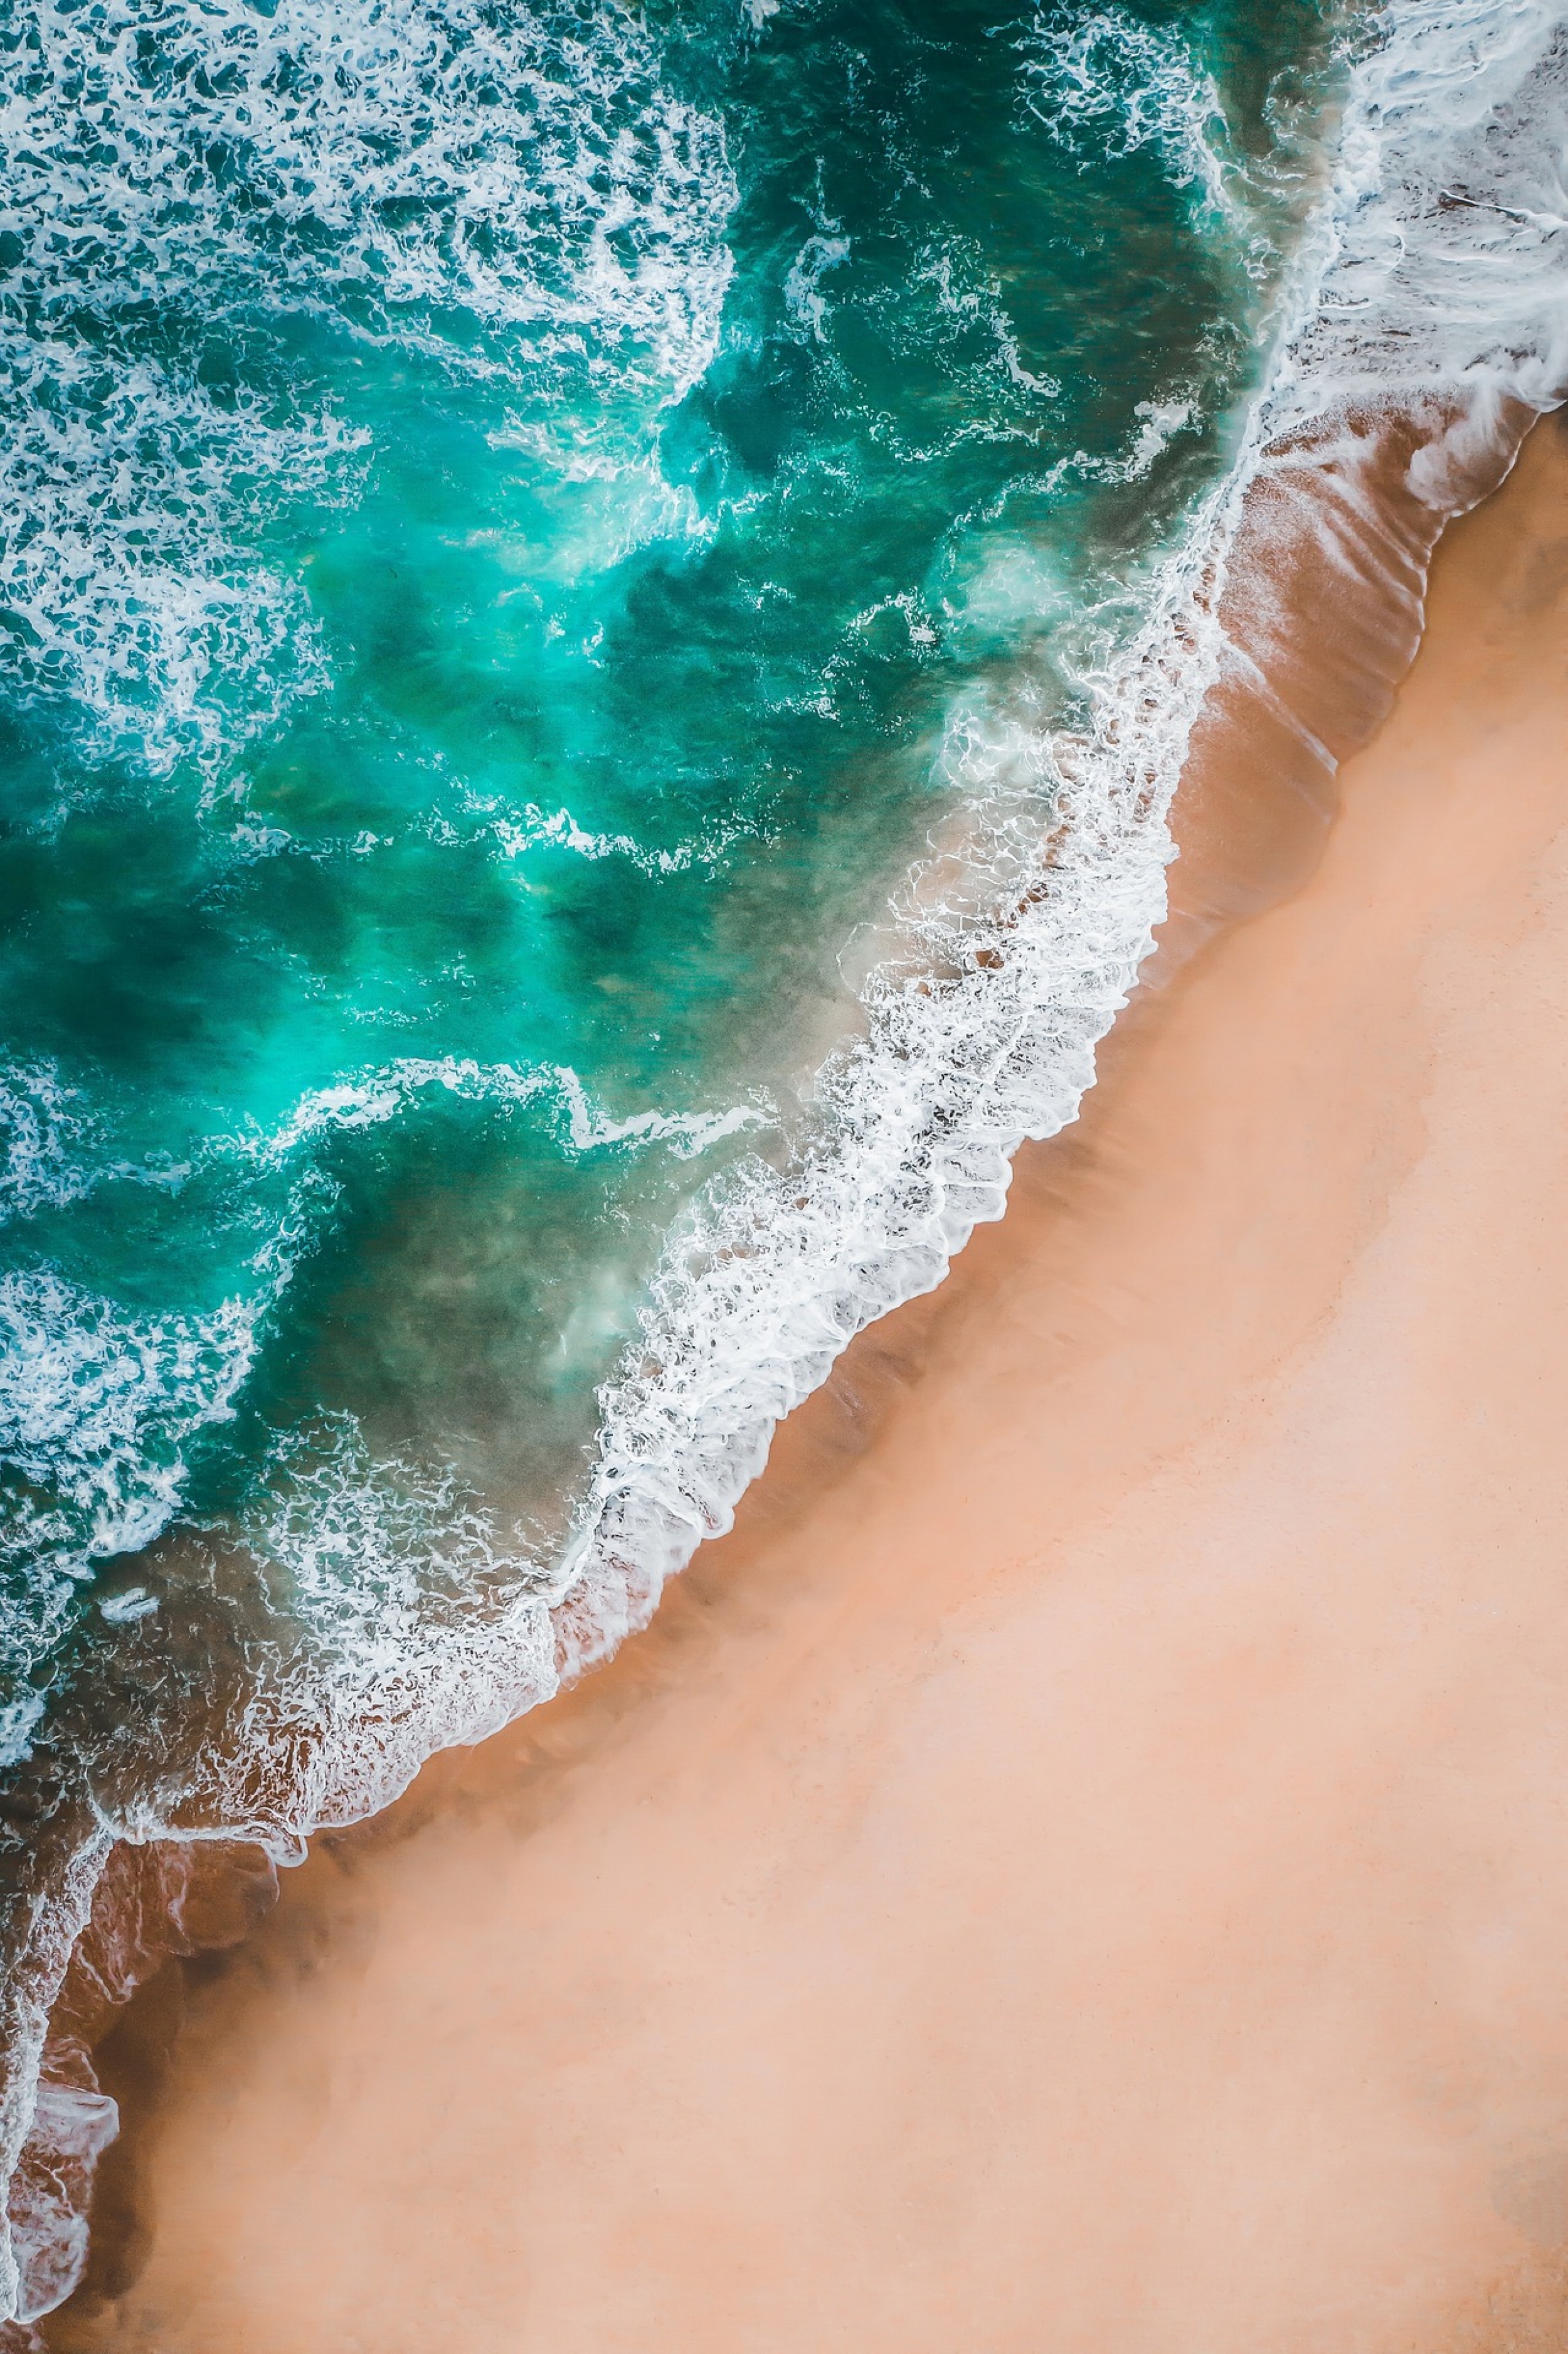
1085 1870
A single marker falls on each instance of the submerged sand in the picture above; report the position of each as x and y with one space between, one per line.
1085 1870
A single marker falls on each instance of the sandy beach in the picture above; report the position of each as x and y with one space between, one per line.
1084 1867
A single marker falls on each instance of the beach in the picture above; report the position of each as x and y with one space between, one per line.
1080 1870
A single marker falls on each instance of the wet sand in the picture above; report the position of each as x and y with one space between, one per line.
1084 1870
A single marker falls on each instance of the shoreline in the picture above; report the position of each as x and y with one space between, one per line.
1410 319
975 1909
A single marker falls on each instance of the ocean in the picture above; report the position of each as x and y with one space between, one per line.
600 609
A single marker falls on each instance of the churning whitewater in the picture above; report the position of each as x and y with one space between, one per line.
594 661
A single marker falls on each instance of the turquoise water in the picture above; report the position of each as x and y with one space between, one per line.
502 508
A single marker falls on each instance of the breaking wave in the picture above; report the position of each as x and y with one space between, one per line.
1432 282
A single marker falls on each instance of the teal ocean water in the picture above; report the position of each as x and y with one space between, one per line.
502 506
599 608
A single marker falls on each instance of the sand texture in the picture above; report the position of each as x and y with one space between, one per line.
1084 1870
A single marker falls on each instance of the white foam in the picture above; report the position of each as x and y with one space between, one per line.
804 297
968 289
75 2124
372 1096
520 830
46 1132
51 2145
1162 421
396 167
125 1608
1110 84
95 1408
1445 269
97 1405
130 505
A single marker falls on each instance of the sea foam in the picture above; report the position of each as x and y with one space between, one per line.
176 179
1431 276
